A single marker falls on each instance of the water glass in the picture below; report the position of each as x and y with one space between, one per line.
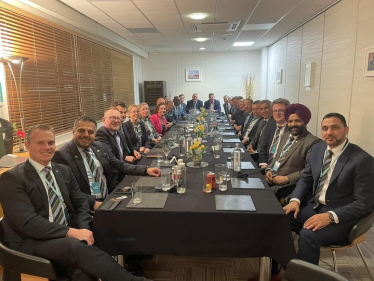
179 178
165 179
160 157
208 181
136 193
218 169
222 176
217 148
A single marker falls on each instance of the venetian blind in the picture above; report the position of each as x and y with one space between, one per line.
65 76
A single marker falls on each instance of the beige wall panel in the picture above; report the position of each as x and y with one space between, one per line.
338 58
280 63
312 52
292 78
361 118
271 72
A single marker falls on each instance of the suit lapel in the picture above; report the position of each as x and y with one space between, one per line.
342 160
79 161
99 155
61 184
33 174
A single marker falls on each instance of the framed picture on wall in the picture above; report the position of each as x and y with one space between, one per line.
369 62
193 74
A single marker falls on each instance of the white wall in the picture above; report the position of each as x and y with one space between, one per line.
335 41
222 72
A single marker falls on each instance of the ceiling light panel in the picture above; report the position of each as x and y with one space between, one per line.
198 16
243 44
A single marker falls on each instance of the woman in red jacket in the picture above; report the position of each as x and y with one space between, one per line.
158 119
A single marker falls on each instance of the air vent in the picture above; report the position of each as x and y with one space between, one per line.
215 26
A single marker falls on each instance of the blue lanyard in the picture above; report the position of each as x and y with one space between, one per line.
56 191
333 162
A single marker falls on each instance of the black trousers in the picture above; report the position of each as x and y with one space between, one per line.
80 261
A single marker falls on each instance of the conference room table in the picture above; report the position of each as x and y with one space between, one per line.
190 225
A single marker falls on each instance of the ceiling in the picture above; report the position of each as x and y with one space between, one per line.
165 25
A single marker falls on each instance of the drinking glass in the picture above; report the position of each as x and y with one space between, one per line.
217 148
207 181
136 193
218 169
166 148
222 176
165 179
160 157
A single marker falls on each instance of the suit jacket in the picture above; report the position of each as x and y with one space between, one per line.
155 119
253 132
257 139
236 113
104 136
189 106
26 208
350 193
217 105
132 136
183 106
294 161
226 107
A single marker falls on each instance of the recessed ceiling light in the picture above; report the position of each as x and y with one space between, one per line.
202 48
198 16
201 39
242 44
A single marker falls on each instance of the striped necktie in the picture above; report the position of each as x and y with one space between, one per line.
285 149
55 202
321 182
95 173
274 144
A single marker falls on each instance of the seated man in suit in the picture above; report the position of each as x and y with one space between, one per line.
235 111
194 104
121 106
182 105
95 168
226 105
212 104
334 192
246 107
170 113
239 116
46 215
294 147
178 112
248 131
117 142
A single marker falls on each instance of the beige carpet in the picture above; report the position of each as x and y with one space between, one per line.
173 268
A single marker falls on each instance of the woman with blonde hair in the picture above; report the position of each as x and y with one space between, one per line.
153 136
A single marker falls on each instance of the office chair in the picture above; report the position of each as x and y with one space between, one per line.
15 263
356 236
298 270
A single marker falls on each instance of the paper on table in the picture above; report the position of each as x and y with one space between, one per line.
149 181
150 201
249 183
234 203
230 150
228 134
244 165
230 140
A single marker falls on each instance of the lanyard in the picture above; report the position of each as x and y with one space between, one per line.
88 169
333 162
288 148
56 191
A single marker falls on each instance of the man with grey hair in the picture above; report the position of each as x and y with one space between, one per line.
226 104
249 129
273 133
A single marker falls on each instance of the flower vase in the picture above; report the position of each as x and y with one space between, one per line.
197 160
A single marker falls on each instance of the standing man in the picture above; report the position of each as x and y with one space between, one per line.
212 104
273 133
182 104
334 192
95 168
249 130
110 135
195 104
226 105
294 147
45 214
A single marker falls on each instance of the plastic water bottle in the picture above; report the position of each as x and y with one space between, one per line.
237 158
182 148
188 142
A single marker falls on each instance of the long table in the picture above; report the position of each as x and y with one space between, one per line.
190 225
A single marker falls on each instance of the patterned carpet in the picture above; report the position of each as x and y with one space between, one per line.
173 268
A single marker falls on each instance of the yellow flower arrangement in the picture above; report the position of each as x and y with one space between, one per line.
196 150
199 131
203 112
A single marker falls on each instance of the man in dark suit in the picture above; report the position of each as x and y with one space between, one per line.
246 107
212 104
226 105
116 142
334 191
248 131
45 214
294 147
195 103
97 180
182 105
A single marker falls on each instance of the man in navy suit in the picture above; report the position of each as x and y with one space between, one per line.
195 103
182 104
334 192
212 104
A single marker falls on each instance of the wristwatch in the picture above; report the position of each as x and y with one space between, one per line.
331 217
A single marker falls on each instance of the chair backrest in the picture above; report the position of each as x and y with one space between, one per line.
298 270
361 227
7 135
18 262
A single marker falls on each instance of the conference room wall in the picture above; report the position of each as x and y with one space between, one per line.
335 42
222 72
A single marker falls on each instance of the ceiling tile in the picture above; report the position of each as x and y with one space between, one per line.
161 24
122 17
143 30
156 6
116 7
196 6
136 24
250 35
172 16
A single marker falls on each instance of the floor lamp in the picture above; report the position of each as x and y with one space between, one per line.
15 60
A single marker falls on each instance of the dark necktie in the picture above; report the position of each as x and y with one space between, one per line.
321 182
54 200
194 105
96 177
274 144
120 155
285 149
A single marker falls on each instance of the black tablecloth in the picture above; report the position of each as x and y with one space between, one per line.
189 224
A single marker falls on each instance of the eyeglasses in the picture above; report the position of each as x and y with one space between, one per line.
278 111
113 118
82 131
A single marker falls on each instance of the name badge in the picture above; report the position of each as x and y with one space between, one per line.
272 151
95 188
276 166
